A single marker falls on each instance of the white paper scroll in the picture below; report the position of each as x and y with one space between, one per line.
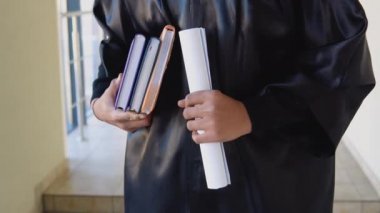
194 51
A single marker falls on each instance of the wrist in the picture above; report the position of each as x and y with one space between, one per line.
247 123
93 108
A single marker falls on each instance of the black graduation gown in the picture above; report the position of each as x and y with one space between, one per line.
302 69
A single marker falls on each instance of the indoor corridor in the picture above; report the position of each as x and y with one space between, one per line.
94 182
49 58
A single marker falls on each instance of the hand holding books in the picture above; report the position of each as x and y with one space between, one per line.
104 109
136 91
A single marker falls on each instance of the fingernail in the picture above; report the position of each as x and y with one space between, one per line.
141 116
135 117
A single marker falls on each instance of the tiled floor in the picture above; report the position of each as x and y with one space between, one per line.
95 181
353 191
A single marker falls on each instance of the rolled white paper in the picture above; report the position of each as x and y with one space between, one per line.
195 56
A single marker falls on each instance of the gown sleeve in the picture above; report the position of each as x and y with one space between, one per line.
119 32
331 76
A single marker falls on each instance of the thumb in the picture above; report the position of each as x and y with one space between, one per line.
118 79
114 86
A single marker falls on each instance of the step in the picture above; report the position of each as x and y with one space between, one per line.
94 181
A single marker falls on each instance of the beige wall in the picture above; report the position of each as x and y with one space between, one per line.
31 121
363 136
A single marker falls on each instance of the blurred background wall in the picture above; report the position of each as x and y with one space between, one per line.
363 135
31 116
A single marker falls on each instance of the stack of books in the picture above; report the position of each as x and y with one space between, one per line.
143 72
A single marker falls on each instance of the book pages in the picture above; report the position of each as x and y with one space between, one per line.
195 56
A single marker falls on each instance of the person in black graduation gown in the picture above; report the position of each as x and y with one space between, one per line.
288 76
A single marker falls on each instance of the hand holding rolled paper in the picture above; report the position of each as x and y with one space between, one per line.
219 117
194 51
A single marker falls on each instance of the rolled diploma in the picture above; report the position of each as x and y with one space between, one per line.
194 51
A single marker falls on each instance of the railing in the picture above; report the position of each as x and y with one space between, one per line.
78 72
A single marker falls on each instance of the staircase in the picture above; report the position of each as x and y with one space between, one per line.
94 181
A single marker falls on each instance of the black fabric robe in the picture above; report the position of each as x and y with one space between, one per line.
302 69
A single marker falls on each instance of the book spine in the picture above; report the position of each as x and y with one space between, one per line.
117 101
167 40
130 72
145 74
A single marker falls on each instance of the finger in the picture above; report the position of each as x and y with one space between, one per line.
196 98
197 124
149 117
112 88
121 116
133 125
182 103
192 112
114 85
205 137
